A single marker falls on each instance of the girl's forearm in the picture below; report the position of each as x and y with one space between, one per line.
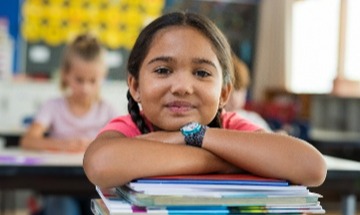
268 154
39 143
111 161
124 159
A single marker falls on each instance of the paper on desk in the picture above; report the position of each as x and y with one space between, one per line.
15 160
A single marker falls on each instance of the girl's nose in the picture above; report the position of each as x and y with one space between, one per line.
182 83
87 88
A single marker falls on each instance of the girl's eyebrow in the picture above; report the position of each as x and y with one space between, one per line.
169 59
161 58
203 61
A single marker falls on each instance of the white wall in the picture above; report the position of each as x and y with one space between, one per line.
22 99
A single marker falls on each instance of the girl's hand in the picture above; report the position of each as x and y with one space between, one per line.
77 145
84 143
173 137
74 145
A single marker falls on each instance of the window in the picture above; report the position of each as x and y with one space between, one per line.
352 47
315 44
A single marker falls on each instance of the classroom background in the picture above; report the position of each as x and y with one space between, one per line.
302 57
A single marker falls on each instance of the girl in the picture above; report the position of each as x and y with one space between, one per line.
180 72
73 120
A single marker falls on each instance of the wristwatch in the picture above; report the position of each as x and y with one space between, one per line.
194 133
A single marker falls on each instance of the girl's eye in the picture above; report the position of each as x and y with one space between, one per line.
202 73
162 71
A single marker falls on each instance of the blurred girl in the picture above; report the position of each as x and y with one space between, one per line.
73 120
69 123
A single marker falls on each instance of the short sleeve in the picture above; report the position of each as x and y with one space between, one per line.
232 120
45 113
124 125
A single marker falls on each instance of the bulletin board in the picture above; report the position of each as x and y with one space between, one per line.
48 25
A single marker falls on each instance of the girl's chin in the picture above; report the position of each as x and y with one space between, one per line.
175 126
168 128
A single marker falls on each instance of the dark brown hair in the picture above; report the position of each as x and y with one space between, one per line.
241 74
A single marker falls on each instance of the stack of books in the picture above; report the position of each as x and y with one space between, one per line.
207 194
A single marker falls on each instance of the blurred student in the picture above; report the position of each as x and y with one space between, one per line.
237 97
70 122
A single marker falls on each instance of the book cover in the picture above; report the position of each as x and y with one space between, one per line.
171 199
241 179
213 182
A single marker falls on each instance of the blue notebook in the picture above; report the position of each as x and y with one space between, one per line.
229 179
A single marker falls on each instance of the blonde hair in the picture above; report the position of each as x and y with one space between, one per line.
241 74
85 47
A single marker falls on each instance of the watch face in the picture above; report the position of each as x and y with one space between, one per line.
193 133
191 128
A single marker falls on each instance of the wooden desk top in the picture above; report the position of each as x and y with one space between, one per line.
54 172
20 157
47 172
340 164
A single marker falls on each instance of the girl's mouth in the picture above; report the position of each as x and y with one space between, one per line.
179 106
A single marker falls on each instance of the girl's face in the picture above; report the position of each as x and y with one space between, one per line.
180 79
84 78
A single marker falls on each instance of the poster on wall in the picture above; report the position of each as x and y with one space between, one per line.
48 25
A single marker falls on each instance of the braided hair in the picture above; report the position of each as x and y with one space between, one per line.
143 42
134 112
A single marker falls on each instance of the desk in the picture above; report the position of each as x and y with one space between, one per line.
48 172
60 173
343 175
44 172
343 179
336 143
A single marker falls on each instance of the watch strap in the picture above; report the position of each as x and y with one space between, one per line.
195 138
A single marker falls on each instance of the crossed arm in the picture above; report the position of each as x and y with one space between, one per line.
113 159
34 139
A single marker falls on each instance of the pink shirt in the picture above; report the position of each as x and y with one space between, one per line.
62 124
230 120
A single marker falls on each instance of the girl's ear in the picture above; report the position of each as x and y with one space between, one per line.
133 87
225 95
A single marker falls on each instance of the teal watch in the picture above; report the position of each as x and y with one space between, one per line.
194 133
